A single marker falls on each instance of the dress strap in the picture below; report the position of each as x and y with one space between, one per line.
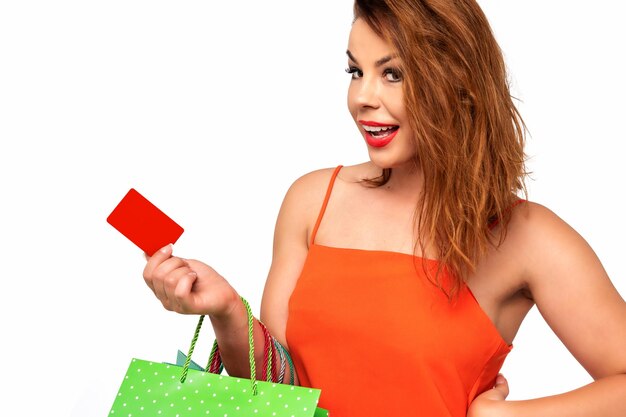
493 222
325 203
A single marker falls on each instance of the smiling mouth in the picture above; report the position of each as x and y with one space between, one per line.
380 132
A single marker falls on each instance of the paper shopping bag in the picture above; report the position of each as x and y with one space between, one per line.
155 389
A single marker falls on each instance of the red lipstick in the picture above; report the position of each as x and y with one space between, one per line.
378 141
375 124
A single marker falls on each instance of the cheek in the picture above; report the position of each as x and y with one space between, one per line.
351 101
397 108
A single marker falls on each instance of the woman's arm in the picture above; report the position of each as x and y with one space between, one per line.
188 286
191 287
296 220
578 301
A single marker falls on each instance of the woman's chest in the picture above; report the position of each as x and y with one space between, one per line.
375 297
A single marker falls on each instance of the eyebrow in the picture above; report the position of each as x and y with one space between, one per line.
378 63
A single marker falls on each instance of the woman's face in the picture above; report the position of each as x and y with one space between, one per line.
375 97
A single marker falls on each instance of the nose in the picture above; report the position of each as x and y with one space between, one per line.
367 94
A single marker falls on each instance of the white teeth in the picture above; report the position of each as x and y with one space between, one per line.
377 128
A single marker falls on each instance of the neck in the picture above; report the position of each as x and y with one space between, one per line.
406 180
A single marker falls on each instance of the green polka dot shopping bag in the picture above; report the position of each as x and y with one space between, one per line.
155 389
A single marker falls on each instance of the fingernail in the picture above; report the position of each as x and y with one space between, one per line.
500 379
167 248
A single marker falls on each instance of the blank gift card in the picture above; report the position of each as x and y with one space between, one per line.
143 223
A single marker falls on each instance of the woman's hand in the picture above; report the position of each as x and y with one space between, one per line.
488 403
188 286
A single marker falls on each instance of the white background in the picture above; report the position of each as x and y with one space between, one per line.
211 110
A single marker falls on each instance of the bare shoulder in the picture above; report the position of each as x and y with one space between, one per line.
570 287
541 238
306 194
537 241
347 173
531 215
310 181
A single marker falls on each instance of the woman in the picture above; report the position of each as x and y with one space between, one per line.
398 285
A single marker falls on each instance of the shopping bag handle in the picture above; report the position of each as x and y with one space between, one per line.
250 348
216 366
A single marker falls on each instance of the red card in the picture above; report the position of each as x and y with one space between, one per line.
143 223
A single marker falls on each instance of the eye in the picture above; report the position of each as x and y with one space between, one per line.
392 75
356 73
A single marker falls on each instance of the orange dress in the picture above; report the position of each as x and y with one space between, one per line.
379 339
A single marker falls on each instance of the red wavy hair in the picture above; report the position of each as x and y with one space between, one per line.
469 136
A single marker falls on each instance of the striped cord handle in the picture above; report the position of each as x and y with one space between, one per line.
215 362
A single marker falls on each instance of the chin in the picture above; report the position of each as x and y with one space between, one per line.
388 160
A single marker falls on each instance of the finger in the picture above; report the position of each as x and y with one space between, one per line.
182 292
158 287
502 386
160 271
167 266
156 259
196 265
173 278
164 280
164 273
